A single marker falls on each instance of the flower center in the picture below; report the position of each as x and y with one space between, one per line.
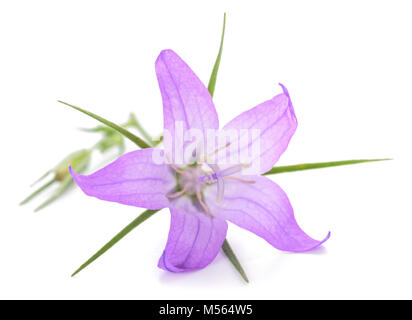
190 183
193 179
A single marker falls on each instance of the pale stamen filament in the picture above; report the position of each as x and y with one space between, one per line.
204 206
178 170
235 169
239 179
179 193
216 151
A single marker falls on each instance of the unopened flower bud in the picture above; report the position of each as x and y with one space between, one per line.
78 159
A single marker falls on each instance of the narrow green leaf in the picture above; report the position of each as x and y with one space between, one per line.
38 191
62 187
309 166
234 260
138 141
213 76
145 215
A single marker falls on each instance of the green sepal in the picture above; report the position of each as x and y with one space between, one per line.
59 191
213 76
38 191
138 141
142 217
318 165
234 260
41 178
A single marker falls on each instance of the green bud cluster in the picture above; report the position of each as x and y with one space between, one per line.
80 160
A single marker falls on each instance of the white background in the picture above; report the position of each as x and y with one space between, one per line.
348 68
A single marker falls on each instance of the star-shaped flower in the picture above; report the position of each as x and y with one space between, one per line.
204 181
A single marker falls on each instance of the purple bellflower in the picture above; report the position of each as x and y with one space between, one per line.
205 192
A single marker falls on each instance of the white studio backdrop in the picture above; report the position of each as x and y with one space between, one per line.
348 68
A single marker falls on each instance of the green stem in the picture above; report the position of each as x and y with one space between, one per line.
142 217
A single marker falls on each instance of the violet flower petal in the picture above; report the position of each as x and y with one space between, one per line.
185 98
276 121
264 209
194 238
133 179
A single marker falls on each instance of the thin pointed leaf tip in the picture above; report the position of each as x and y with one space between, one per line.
213 76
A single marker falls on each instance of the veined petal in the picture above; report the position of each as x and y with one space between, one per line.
194 238
260 135
186 101
133 179
264 209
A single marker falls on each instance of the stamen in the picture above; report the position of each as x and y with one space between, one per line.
179 193
216 151
239 179
234 169
178 170
204 206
